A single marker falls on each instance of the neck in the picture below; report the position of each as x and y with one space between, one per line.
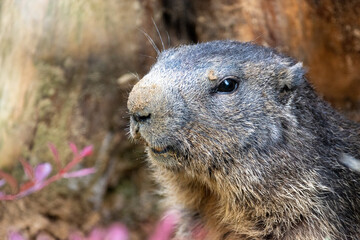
243 202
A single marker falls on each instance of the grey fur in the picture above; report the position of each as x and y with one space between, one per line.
258 163
350 162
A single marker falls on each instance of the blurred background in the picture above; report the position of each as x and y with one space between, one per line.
66 68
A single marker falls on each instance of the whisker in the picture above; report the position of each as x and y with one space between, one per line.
168 38
151 41
158 32
136 75
259 36
144 55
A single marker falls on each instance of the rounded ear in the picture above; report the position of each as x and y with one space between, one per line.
291 77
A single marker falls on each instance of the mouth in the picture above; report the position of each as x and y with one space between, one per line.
170 156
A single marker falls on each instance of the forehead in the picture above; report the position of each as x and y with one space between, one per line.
218 56
200 55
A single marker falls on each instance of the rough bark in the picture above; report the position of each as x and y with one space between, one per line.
66 68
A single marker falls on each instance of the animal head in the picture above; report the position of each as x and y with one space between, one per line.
211 101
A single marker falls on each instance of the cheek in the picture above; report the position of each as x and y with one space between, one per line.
249 114
235 107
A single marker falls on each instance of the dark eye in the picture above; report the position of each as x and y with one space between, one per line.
228 85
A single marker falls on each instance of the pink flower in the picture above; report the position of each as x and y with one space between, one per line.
42 171
166 227
39 176
79 173
116 231
15 236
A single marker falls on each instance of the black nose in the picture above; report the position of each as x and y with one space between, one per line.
141 118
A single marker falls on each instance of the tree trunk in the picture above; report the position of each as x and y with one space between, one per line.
67 67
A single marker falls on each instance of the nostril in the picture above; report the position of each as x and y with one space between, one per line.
141 118
144 118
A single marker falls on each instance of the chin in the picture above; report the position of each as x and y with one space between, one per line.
166 158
